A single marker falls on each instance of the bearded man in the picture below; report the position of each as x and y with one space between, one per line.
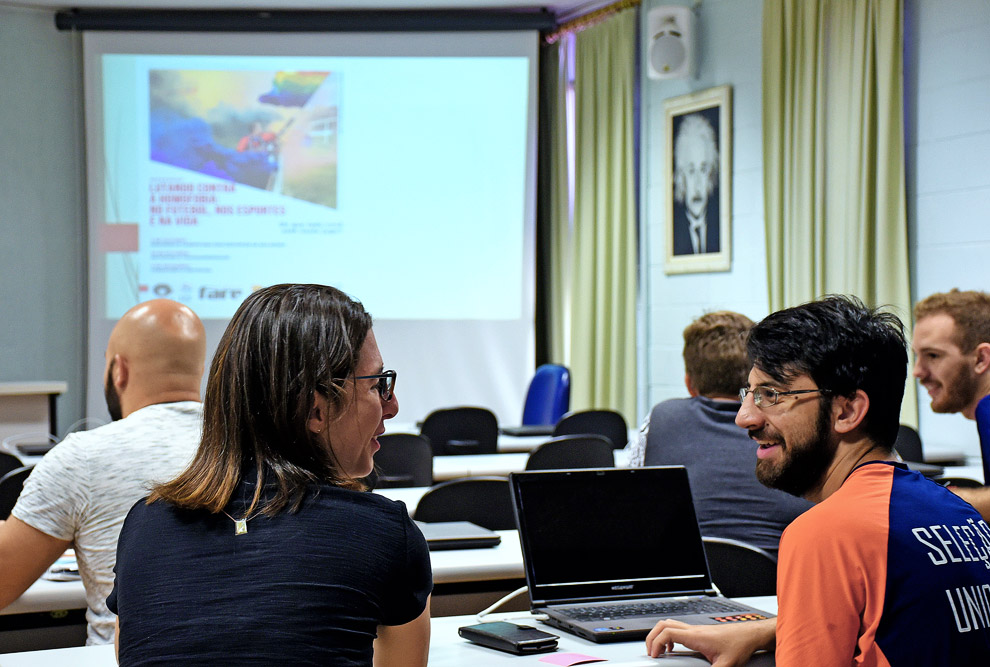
951 345
883 569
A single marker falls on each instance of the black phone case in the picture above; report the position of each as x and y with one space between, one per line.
509 637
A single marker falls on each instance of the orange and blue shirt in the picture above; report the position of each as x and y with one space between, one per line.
890 570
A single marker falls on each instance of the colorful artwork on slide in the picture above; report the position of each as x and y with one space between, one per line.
276 131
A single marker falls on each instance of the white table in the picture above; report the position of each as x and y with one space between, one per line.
501 565
507 444
45 596
447 649
474 465
969 472
487 564
28 407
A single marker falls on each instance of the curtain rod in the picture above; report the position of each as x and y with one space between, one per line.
303 20
589 20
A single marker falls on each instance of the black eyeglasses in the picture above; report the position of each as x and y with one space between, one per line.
764 397
385 384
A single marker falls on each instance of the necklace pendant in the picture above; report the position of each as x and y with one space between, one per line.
240 526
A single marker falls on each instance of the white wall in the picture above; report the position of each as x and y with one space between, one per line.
947 107
42 232
947 91
730 52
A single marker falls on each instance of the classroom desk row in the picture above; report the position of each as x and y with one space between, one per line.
502 563
475 465
507 444
448 649
466 580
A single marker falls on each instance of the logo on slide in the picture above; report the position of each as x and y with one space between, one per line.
161 289
220 293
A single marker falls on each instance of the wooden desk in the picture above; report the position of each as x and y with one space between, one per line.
447 649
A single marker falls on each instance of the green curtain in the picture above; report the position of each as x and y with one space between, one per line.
558 240
603 257
833 155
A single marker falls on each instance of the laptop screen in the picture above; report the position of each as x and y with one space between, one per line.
608 534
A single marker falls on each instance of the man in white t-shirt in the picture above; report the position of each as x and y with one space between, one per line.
79 494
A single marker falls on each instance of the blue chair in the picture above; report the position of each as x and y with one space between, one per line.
548 397
983 427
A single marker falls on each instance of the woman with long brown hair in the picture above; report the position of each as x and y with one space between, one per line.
266 550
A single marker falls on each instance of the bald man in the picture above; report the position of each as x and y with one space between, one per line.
79 494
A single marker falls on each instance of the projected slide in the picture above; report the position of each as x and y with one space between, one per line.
270 130
385 177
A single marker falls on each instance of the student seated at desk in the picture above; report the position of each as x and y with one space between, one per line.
888 568
266 550
78 495
700 434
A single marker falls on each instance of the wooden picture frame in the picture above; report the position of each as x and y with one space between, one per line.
698 181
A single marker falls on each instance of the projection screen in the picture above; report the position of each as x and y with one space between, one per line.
398 167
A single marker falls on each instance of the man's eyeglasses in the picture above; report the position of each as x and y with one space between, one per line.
764 397
385 384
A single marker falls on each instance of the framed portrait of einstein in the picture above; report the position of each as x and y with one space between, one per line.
698 181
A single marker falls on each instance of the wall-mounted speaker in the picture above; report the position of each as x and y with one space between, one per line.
671 51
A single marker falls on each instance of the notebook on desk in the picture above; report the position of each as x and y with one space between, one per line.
926 469
609 552
528 430
442 535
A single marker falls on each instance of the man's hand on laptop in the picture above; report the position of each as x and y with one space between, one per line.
722 645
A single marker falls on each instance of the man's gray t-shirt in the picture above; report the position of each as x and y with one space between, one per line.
83 488
700 433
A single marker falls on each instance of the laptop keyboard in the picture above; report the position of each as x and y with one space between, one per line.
671 608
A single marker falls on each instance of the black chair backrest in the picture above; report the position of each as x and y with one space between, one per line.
484 501
572 451
8 462
10 488
466 430
740 569
600 422
908 444
405 459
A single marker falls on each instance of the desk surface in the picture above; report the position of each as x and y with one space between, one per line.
45 596
506 443
458 565
32 388
475 465
447 649
451 566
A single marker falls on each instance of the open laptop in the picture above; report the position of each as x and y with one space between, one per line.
611 551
